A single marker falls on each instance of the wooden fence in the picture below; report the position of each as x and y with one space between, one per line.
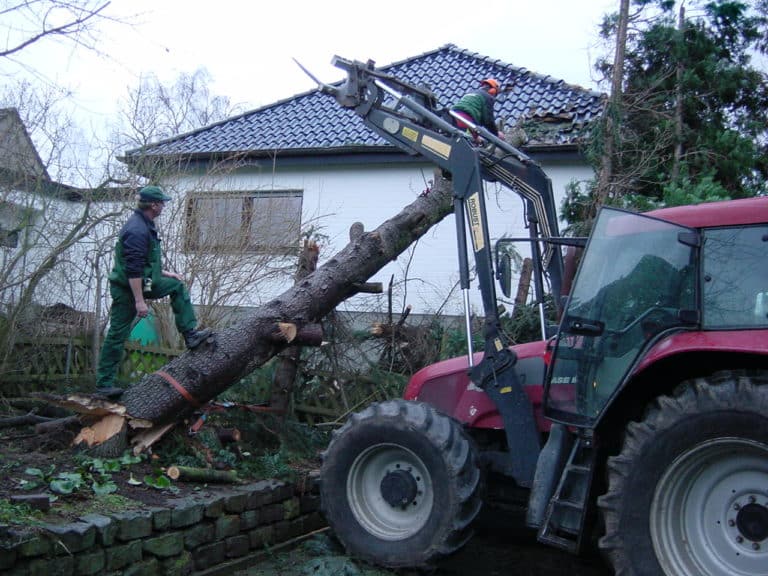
65 364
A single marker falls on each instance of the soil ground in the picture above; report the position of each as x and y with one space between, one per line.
20 451
499 547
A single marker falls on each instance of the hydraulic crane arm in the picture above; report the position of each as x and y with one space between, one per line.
407 116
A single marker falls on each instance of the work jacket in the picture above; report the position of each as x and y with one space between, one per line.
137 252
479 105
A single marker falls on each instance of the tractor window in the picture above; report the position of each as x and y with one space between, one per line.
735 279
635 282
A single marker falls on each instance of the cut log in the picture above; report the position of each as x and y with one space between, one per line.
101 430
188 474
214 366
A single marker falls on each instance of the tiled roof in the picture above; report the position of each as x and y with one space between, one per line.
310 121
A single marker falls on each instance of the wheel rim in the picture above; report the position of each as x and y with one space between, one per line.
709 513
370 488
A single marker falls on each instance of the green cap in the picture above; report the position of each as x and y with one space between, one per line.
153 194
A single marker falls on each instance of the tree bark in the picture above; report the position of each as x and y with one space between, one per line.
288 360
199 375
613 110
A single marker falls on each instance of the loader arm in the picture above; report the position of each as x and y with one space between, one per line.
407 117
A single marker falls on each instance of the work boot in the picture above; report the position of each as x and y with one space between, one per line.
193 338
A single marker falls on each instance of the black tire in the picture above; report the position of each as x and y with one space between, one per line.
400 485
688 494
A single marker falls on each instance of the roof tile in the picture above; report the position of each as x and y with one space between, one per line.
448 71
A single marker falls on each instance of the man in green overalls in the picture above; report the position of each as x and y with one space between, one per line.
138 276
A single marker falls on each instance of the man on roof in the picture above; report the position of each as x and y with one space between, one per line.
477 107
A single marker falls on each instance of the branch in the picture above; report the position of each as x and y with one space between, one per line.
67 29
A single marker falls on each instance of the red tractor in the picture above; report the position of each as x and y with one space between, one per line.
642 421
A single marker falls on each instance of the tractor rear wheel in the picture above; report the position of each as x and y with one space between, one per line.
400 484
688 493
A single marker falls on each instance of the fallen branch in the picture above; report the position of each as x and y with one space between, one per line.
58 425
25 420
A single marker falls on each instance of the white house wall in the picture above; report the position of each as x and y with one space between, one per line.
78 278
336 197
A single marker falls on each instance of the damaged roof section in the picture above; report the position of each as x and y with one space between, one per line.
552 112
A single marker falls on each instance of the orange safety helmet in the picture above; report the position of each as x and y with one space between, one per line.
493 85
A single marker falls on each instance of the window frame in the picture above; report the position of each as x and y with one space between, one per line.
247 241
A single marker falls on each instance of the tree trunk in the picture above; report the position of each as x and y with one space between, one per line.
613 110
199 375
678 154
288 360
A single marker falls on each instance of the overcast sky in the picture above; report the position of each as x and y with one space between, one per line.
248 46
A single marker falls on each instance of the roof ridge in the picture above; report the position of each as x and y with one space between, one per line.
521 69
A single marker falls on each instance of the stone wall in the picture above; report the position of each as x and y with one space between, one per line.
200 535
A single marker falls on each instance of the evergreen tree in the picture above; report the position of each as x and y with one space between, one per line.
690 125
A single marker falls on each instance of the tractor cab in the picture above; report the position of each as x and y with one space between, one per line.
643 278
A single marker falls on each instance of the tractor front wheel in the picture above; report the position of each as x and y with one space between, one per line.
688 493
400 484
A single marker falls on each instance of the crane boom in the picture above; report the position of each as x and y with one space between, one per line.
408 117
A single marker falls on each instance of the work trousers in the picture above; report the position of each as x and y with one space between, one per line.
121 319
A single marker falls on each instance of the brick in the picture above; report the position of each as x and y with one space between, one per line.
161 518
271 513
133 525
198 535
235 502
185 512
281 531
106 528
309 503
291 508
34 546
214 508
227 526
89 563
72 538
249 519
259 494
183 565
61 566
165 546
237 546
261 537
209 555
149 567
118 557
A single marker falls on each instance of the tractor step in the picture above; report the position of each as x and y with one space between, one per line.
564 521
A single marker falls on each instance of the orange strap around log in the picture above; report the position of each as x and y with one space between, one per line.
179 388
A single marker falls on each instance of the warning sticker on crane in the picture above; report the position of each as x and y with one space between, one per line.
436 146
475 221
